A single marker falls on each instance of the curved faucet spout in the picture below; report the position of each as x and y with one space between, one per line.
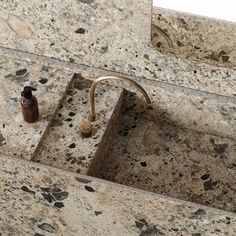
92 112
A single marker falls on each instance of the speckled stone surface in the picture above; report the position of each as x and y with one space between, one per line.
72 151
115 35
37 200
121 40
17 137
173 162
194 37
91 32
183 147
159 137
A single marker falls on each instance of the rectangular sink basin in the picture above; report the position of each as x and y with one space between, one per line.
182 146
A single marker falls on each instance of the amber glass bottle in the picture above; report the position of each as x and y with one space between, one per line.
29 105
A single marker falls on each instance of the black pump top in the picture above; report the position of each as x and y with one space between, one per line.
27 93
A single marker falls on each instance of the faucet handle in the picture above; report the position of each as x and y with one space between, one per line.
86 129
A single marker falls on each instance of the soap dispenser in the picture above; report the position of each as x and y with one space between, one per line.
29 105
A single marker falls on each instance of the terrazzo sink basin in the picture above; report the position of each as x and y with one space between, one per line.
182 146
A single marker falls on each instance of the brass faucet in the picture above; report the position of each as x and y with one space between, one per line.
92 112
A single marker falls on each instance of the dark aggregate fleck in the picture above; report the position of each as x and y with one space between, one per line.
26 189
71 114
197 47
158 44
143 164
43 80
80 31
71 60
59 204
97 213
205 177
72 145
21 72
47 227
88 188
180 44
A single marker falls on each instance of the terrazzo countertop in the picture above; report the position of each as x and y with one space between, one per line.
172 104
18 138
121 40
194 37
38 200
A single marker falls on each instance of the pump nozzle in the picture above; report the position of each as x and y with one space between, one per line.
27 93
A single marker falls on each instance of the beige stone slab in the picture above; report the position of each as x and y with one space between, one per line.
116 37
39 200
89 32
194 37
